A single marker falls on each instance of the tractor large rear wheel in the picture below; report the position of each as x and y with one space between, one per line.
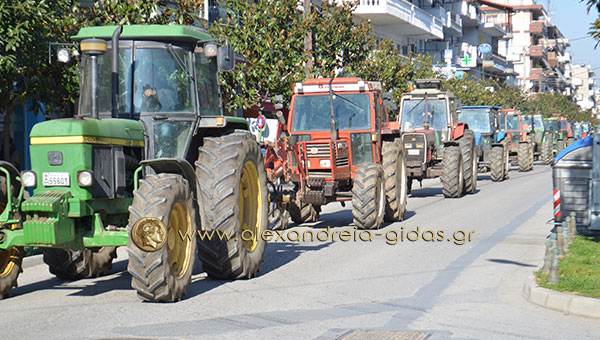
162 239
303 212
368 196
547 151
470 161
394 169
452 172
10 259
497 163
79 264
525 157
233 202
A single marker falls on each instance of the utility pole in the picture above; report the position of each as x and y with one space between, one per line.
307 41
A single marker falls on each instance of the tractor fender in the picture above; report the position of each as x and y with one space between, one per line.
500 136
458 130
178 166
478 138
11 169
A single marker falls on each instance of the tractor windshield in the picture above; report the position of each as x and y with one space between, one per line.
158 79
539 122
512 123
313 112
415 112
552 125
477 119
563 124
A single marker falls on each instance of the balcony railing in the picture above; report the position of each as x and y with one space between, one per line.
538 27
396 12
538 51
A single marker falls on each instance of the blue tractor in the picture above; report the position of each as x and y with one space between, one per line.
492 146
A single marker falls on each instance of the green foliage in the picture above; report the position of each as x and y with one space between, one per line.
548 104
594 26
339 42
130 12
472 92
270 36
393 70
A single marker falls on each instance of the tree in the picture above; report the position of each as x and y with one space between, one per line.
26 29
594 26
486 92
339 43
394 70
270 36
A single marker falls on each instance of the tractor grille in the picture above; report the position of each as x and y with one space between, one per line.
341 162
414 147
319 174
318 150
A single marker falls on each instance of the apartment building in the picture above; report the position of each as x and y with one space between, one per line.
582 78
536 47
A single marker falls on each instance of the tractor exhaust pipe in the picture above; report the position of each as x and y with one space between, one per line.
115 71
334 131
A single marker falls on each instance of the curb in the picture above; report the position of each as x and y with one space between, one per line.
562 302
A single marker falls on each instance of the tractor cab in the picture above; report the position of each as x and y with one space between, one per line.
485 123
429 110
335 133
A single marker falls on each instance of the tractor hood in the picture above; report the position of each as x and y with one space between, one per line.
87 130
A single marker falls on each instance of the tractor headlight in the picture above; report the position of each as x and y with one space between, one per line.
325 163
419 145
85 178
28 179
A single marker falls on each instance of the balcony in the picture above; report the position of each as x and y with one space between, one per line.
471 16
538 51
493 30
402 17
536 74
538 27
454 22
552 59
497 64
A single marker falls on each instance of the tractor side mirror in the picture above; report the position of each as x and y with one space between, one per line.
225 58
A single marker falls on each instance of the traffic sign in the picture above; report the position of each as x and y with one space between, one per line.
484 48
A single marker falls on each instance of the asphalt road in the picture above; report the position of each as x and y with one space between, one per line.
329 290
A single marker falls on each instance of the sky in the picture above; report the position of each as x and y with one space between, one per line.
571 18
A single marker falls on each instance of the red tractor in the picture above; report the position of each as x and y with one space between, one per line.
520 140
338 146
435 144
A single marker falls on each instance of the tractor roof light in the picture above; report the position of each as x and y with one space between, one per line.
361 85
93 46
28 179
298 88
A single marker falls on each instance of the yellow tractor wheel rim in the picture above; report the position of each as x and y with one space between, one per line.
250 206
178 239
7 257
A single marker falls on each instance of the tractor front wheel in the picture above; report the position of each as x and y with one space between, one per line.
368 196
547 151
303 212
497 163
452 172
73 265
233 204
10 259
470 161
394 169
525 157
162 238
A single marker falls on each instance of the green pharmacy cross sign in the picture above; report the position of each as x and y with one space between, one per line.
468 61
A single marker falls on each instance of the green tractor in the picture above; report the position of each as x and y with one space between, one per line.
149 162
